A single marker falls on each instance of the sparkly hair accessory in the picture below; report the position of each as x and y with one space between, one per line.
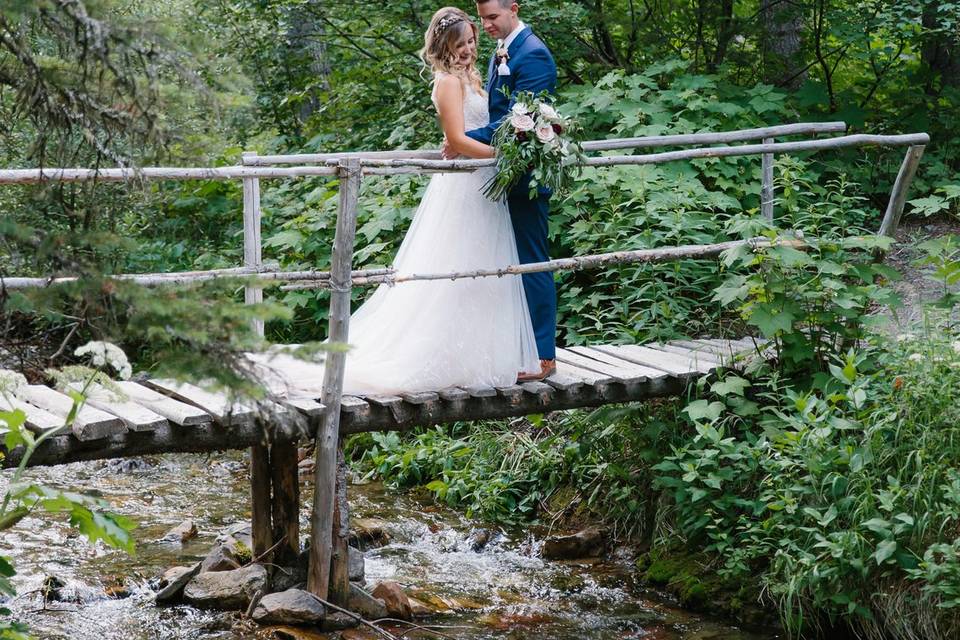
445 23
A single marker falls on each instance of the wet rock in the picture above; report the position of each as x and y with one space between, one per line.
293 606
226 589
588 543
115 588
365 605
174 581
355 565
238 537
284 578
338 621
398 605
220 558
293 633
480 538
126 465
419 609
368 532
52 589
181 533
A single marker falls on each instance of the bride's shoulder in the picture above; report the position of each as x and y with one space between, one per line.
444 79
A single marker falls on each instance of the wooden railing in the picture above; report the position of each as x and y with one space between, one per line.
327 575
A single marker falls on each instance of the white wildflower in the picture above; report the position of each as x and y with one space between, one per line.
956 346
106 353
905 337
915 357
11 382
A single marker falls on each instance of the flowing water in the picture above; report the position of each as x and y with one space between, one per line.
504 590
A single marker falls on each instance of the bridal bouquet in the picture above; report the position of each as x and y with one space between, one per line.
534 138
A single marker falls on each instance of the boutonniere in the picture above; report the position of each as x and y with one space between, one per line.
502 57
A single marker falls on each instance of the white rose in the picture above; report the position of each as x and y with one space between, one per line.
520 109
548 112
545 133
522 122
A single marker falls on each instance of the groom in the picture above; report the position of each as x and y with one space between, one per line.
522 62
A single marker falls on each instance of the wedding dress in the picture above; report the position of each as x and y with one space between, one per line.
429 335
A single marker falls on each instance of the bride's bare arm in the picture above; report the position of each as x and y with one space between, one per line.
450 106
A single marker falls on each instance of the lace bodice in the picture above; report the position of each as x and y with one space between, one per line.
476 113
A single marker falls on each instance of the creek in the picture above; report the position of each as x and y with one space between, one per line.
504 590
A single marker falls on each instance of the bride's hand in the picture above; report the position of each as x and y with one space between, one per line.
445 151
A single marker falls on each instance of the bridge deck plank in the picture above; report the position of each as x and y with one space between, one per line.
88 424
179 413
216 404
649 373
674 364
37 419
697 354
624 374
136 416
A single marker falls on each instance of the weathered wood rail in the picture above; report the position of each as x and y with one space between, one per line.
161 416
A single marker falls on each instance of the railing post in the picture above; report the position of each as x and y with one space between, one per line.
898 195
260 482
766 190
325 480
252 251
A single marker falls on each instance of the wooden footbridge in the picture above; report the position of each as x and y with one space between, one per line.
158 416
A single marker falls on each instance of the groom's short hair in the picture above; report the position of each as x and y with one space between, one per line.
504 4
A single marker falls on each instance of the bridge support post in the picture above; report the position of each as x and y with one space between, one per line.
259 454
898 195
285 507
322 520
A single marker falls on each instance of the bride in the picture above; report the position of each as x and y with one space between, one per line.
428 335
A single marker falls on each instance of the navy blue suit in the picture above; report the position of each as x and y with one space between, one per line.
531 69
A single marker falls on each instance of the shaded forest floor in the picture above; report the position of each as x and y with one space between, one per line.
918 286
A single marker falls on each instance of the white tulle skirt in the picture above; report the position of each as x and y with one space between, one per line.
429 335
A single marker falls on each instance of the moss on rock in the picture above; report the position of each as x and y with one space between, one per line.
689 578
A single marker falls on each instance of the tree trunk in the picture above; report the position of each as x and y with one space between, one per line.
782 43
940 52
305 36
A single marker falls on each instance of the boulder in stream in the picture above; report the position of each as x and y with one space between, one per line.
174 581
365 605
293 606
226 589
368 532
181 533
221 557
398 604
588 543
355 565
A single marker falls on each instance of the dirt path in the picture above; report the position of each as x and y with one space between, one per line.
917 286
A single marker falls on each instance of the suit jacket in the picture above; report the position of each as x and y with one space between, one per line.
531 69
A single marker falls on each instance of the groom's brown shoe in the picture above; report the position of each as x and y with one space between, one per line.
547 368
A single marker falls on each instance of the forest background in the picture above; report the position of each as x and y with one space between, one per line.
748 469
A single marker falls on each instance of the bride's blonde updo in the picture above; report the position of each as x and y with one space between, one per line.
447 27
